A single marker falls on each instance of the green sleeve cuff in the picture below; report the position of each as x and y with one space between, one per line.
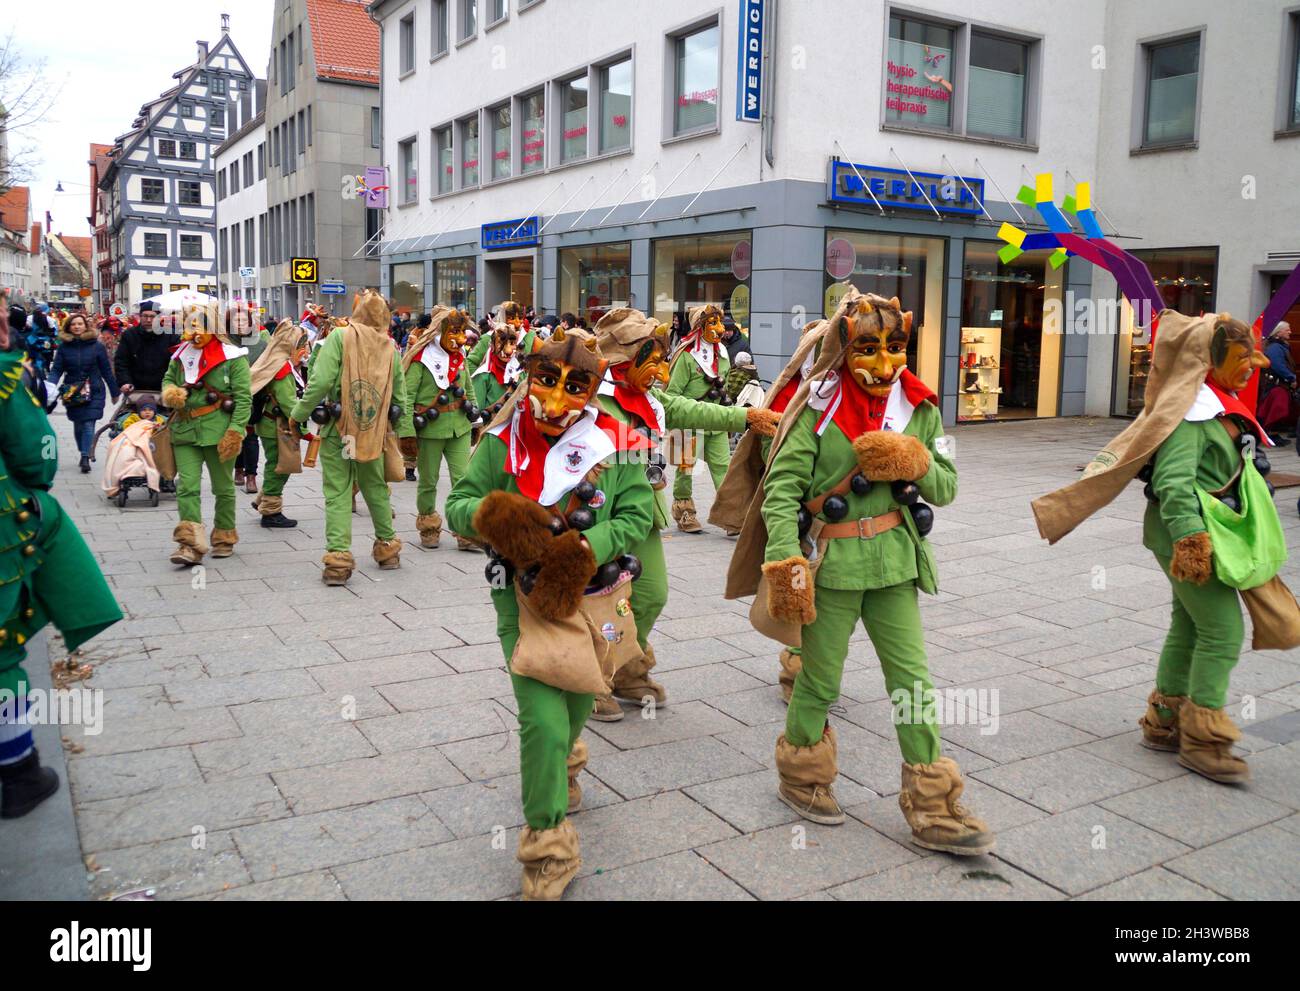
1184 526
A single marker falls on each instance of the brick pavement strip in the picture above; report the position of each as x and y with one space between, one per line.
360 743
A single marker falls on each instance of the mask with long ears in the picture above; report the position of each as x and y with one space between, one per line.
711 325
563 376
875 335
1234 357
650 365
454 329
505 339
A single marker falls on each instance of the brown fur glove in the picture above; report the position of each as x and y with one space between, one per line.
886 456
566 570
517 528
409 446
174 397
229 445
1193 559
790 590
762 421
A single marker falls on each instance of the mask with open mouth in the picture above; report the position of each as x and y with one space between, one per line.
454 330
711 325
875 335
563 377
1234 356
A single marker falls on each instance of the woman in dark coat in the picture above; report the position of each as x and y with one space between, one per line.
83 375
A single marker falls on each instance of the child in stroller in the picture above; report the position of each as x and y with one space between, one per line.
130 461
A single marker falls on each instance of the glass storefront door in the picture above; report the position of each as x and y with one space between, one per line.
453 285
407 288
694 271
595 279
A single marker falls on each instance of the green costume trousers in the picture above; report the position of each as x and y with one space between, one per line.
432 452
338 475
190 460
650 591
892 618
714 449
1206 634
550 721
272 481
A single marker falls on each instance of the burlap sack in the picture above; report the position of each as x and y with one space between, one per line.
1180 362
570 654
288 449
1274 616
394 463
164 458
610 612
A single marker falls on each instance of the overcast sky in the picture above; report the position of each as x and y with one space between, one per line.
109 57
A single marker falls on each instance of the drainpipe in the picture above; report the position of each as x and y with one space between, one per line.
769 85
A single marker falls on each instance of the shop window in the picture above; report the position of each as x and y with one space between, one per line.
573 110
406 287
500 120
1173 74
616 106
408 157
920 69
911 268
469 151
532 132
695 81
693 271
995 93
1009 368
454 284
443 162
1186 280
594 279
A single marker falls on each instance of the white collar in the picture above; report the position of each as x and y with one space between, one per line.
705 355
438 361
826 392
189 357
1206 406
580 448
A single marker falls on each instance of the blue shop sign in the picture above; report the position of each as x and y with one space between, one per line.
522 233
749 62
961 195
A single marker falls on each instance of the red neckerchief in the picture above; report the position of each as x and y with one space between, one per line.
213 354
632 401
694 338
787 392
1233 406
523 438
856 412
286 370
497 367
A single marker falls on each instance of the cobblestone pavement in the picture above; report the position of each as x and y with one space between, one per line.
267 737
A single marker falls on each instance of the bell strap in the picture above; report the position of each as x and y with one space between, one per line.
841 487
864 528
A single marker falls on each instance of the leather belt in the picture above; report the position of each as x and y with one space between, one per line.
191 414
864 528
451 407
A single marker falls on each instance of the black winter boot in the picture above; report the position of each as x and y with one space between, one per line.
26 784
278 521
85 464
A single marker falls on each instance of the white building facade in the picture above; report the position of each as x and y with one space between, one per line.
241 214
577 163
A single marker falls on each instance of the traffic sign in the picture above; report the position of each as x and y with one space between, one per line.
247 272
302 271
333 289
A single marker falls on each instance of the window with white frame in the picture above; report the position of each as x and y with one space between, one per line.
152 191
468 19
191 246
696 80
532 132
499 121
573 118
498 10
438 28
444 165
616 106
1172 81
469 151
408 158
406 43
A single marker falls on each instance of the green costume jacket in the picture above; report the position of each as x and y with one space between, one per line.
324 383
46 570
680 413
281 394
424 391
807 465
231 378
487 390
687 378
1198 454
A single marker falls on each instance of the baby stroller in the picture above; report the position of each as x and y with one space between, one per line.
130 462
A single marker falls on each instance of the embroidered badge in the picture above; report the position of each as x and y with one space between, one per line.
572 461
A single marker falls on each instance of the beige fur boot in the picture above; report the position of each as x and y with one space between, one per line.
606 709
467 545
1205 739
223 542
930 802
791 665
387 553
550 858
191 543
807 775
1159 733
430 528
339 566
684 514
576 762
632 682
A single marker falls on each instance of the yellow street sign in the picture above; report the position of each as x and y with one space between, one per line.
302 271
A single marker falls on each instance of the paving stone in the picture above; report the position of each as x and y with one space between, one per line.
678 877
305 713
948 879
1127 751
372 645
172 868
352 675
126 672
1154 885
479 868
1106 714
481 806
207 692
1064 780
1275 775
367 779
648 770
1194 810
1260 864
275 750
644 830
455 689
749 802
754 707
801 858
412 730
1016 736
343 836
686 684
122 775
160 729
1000 810
647 727
317 886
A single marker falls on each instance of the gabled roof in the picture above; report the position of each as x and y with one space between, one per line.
79 246
345 41
15 209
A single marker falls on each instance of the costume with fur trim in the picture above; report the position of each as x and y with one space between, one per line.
488 376
428 378
690 376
